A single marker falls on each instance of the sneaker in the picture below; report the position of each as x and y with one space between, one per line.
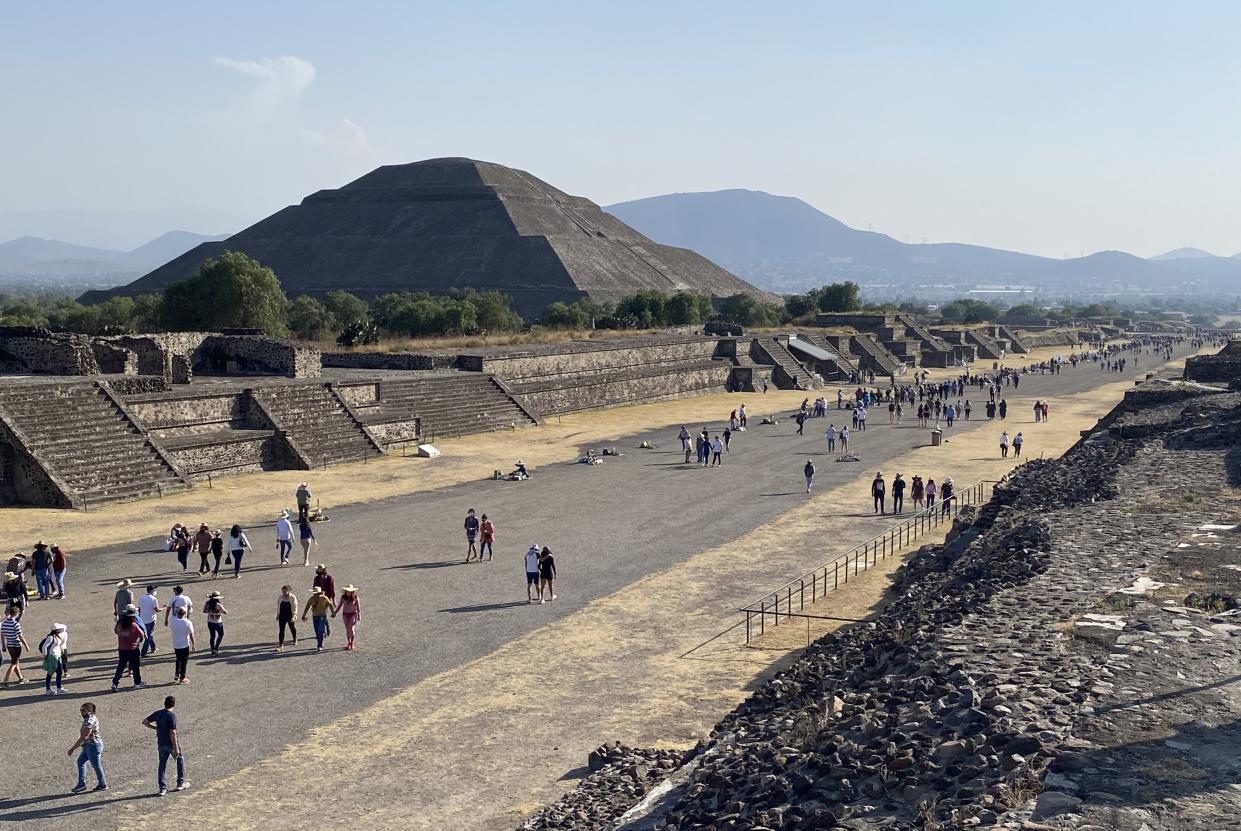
114 688
163 792
48 692
541 601
60 691
554 596
81 788
185 680
101 787
182 785
139 684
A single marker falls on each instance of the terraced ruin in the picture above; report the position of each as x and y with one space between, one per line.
1067 658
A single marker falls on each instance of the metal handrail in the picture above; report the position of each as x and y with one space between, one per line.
812 585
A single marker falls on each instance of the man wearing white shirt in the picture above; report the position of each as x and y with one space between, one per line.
179 601
284 537
532 572
148 613
182 632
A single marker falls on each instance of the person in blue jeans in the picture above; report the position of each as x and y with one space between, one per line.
91 744
164 723
41 560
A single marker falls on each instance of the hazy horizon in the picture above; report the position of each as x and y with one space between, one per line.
1057 130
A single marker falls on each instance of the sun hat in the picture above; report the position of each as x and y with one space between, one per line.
59 627
131 609
350 589
321 568
316 590
125 583
8 575
215 595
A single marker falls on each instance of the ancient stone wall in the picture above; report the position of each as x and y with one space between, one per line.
585 393
585 359
179 414
39 351
136 384
1035 340
239 454
390 360
255 355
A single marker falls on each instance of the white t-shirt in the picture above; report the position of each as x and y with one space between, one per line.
147 604
181 630
284 529
532 561
178 601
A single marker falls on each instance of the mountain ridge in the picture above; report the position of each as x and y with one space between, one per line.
39 257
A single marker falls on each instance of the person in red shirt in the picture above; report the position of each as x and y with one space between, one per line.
60 564
129 637
488 537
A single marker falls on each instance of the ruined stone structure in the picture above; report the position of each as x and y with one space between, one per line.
1052 664
445 224
1222 368
898 337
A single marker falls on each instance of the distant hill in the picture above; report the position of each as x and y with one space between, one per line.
43 258
783 244
1184 253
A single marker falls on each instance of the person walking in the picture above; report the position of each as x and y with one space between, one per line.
808 471
1038 411
182 642
916 492
237 545
831 438
324 581
148 612
215 612
51 648
547 575
129 638
704 448
284 537
14 641
202 544
124 597
91 743
306 536
844 439
930 494
945 495
728 437
741 415
41 560
167 742
286 615
350 608
717 452
318 606
967 409
486 538
1045 408
1004 444
801 422
471 535
15 591
303 501
1003 408
1018 440
60 567
898 494
183 543
878 491
532 572
217 551
686 445
179 600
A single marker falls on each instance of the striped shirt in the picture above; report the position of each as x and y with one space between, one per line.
92 721
11 631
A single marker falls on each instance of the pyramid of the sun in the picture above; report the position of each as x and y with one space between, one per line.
441 224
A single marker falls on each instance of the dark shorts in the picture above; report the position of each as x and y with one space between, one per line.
532 578
15 652
470 537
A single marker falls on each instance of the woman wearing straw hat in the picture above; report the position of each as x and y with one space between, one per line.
15 591
215 612
351 609
50 648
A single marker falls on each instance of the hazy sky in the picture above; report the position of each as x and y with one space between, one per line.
1047 127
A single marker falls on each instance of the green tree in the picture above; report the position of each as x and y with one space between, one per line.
1024 311
750 311
800 305
146 313
345 308
493 311
839 297
646 306
968 310
310 319
685 308
564 316
228 291
23 311
69 315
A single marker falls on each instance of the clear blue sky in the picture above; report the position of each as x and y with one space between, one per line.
1047 127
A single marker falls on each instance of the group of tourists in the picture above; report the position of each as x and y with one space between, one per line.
89 746
480 537
924 496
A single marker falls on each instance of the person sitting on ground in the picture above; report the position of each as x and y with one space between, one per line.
519 472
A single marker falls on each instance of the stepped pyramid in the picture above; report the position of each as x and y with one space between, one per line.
441 224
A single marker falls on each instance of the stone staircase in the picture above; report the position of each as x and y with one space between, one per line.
317 423
874 357
788 369
988 347
931 343
1015 343
845 362
454 405
88 445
